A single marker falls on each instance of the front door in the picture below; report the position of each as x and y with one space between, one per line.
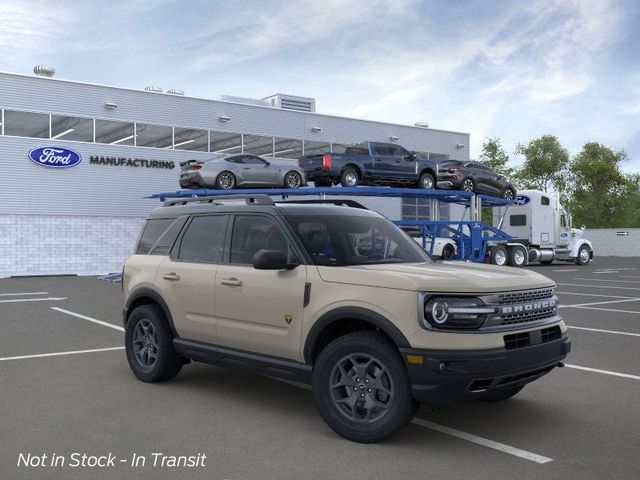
259 310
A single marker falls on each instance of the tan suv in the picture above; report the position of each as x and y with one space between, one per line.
337 297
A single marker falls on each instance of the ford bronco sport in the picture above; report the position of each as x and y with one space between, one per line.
337 297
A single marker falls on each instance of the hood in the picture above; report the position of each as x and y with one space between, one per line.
449 277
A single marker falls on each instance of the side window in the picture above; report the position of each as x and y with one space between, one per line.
235 159
381 149
251 160
518 220
168 238
398 151
151 233
203 242
253 233
544 201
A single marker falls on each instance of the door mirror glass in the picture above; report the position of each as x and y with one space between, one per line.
272 260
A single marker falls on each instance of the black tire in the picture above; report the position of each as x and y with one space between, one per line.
508 193
347 177
292 180
498 255
225 180
166 364
448 251
468 185
501 394
396 402
546 262
427 182
584 255
322 182
516 260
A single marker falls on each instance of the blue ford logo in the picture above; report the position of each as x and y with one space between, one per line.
55 157
521 200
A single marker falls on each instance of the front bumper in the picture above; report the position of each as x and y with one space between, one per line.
449 377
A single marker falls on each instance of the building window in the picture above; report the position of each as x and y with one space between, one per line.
72 128
226 143
287 148
156 136
190 139
26 124
115 133
257 145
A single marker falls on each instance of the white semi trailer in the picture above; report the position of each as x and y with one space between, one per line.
541 232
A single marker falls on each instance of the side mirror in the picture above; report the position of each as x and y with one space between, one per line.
410 156
272 260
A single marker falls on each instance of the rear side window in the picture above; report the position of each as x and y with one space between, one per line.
518 220
203 242
151 233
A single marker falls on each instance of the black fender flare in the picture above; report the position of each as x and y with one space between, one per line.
146 292
351 313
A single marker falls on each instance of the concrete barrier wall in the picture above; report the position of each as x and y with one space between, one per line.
615 242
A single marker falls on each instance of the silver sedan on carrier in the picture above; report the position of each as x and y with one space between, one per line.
231 171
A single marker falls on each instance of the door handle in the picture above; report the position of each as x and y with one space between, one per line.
231 282
173 276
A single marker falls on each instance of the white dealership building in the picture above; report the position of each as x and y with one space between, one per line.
126 144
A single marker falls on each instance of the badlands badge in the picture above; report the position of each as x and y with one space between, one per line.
288 318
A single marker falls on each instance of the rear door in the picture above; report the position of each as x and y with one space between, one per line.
186 278
383 161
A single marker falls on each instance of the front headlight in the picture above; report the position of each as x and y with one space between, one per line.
455 313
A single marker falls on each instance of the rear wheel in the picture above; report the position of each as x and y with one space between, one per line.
498 255
468 185
426 181
508 194
149 345
225 180
293 179
517 256
361 387
349 178
501 394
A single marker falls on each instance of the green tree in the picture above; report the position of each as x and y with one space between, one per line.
546 164
495 157
600 192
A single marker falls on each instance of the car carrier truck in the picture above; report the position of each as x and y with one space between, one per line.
540 230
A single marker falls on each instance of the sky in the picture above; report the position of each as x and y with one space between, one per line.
509 69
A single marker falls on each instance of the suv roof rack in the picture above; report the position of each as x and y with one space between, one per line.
339 202
218 199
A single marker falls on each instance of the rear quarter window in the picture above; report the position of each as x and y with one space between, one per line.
151 232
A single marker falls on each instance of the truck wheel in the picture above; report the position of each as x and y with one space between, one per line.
498 255
426 181
517 256
349 178
501 394
584 255
361 387
448 251
468 185
149 345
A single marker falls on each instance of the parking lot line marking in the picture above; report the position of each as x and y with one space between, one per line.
58 354
453 432
609 310
599 303
605 331
89 319
22 293
606 372
605 280
629 276
47 299
595 295
566 270
597 286
534 457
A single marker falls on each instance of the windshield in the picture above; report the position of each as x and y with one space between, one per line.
344 240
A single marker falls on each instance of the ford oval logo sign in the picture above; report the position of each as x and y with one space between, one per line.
55 157
521 200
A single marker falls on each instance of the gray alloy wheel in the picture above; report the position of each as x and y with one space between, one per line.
499 256
361 388
467 185
225 180
583 255
508 194
293 180
426 181
145 343
349 178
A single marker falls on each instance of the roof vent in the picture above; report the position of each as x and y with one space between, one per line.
44 71
175 91
291 102
153 88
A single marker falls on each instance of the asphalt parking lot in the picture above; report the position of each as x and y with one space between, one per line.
66 387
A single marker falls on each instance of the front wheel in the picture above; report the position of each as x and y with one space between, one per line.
149 345
584 255
448 251
508 194
361 387
426 181
498 255
293 179
468 185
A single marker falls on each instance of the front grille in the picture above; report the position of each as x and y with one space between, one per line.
525 295
535 337
524 317
481 385
526 375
